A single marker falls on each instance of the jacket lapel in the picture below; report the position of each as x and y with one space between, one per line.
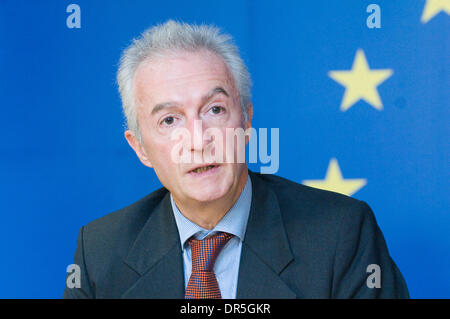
265 250
156 256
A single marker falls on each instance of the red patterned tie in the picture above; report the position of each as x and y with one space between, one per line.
203 283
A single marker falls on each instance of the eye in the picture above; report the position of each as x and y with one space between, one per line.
168 121
216 110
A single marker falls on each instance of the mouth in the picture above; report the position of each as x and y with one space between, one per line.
203 170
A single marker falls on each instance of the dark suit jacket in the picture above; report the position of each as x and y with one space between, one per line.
300 242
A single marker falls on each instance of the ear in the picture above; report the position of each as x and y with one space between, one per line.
250 115
133 141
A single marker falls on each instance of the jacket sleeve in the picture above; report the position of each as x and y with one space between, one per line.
363 267
85 290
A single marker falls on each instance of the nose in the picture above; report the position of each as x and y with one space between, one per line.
196 129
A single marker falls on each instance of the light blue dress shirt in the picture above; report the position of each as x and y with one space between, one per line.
234 222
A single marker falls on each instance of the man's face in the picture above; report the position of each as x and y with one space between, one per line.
172 93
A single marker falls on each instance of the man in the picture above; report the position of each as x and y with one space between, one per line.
216 229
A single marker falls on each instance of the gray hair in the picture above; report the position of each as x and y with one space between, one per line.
173 37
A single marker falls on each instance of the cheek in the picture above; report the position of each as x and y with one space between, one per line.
164 153
160 150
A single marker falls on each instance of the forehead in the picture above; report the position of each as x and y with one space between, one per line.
182 75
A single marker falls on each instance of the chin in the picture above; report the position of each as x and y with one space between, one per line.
208 194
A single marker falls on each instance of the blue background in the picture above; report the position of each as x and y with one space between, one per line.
64 160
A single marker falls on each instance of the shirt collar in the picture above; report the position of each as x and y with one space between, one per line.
234 221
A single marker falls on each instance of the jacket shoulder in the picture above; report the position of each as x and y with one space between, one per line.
334 238
313 212
132 216
300 195
115 232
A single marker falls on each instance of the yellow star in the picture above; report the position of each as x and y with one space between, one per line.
433 7
360 82
334 181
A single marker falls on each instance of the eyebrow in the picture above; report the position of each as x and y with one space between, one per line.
217 90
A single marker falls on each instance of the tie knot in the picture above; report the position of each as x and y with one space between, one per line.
204 252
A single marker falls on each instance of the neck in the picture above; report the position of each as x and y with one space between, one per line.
208 214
